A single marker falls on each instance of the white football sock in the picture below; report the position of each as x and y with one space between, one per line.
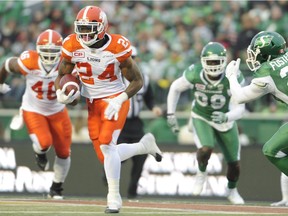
113 188
61 168
284 186
112 162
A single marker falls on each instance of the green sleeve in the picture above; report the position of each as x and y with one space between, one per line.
263 71
191 72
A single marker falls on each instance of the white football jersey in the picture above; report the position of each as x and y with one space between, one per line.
98 69
40 94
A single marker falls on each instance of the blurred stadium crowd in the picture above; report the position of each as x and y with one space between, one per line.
168 34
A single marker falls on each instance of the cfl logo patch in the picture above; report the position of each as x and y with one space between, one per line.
78 54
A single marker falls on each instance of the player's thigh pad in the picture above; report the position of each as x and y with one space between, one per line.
203 133
101 128
37 125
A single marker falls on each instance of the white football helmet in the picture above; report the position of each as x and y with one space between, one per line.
214 59
91 25
48 46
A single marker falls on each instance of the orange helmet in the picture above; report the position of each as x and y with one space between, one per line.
48 46
91 25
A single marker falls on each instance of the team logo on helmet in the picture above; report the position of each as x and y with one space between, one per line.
263 41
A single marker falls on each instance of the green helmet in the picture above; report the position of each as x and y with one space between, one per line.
264 47
214 59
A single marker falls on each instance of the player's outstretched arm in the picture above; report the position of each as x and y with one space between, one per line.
236 112
244 94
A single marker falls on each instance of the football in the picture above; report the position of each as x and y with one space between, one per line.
72 83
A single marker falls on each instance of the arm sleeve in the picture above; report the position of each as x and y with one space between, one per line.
236 111
177 87
255 90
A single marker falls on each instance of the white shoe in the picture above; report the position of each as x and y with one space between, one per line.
114 203
149 143
200 179
17 122
55 197
234 197
280 203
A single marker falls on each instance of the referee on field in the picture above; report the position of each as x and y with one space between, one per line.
133 129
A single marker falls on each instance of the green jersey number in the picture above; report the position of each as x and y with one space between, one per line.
216 101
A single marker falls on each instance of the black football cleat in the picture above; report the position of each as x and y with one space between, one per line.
56 191
111 211
42 161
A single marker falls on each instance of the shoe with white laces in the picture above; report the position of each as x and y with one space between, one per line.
149 143
114 203
200 179
280 203
234 197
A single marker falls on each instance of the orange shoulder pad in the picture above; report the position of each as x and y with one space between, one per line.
27 61
70 44
120 46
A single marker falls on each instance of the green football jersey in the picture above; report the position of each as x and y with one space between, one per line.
208 96
277 70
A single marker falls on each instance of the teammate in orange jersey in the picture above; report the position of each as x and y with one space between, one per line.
99 59
46 119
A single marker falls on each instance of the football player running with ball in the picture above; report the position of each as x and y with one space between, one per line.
268 59
213 115
100 60
46 119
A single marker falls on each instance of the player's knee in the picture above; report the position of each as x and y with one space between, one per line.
108 150
204 153
63 154
234 165
105 139
109 138
39 149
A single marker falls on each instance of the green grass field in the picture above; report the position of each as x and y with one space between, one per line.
40 206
